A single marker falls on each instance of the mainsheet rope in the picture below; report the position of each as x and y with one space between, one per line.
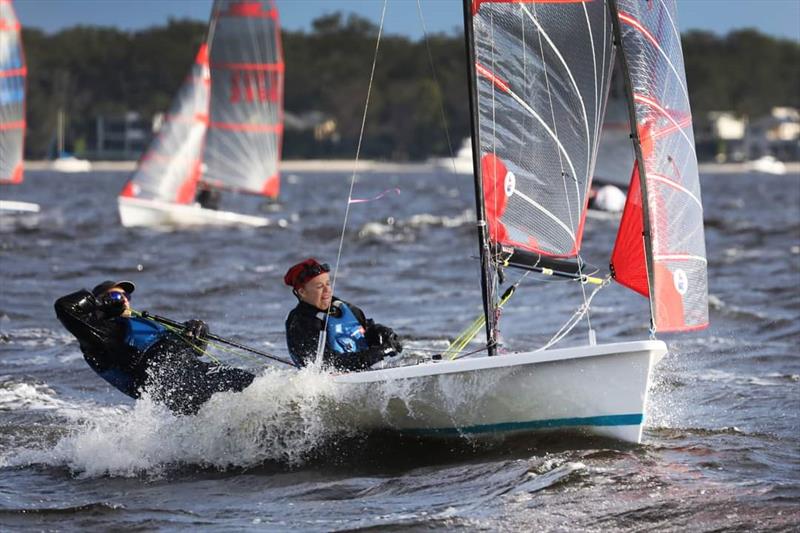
323 333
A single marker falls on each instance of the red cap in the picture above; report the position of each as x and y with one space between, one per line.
303 272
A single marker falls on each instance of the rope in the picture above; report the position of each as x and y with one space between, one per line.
321 344
575 318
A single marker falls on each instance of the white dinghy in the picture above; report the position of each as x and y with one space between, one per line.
538 95
224 130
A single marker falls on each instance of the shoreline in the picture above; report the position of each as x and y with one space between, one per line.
347 165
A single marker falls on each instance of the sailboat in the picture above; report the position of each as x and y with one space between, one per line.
224 129
65 161
12 105
538 94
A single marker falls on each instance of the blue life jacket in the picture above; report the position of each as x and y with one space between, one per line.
143 333
345 334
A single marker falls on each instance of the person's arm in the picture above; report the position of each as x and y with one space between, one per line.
378 335
84 316
302 338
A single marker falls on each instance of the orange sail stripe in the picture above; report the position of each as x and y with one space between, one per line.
17 125
249 9
241 126
262 67
488 74
10 73
627 19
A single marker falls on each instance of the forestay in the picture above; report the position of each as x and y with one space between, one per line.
170 169
543 70
12 95
243 143
665 199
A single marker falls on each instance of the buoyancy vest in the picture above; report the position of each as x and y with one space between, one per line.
143 333
345 334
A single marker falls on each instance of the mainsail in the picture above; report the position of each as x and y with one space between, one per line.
243 142
170 169
12 95
668 264
543 71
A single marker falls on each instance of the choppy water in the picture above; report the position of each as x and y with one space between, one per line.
721 449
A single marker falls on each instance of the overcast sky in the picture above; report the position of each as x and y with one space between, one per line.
775 17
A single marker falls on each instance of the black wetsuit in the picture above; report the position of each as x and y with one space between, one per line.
303 326
168 368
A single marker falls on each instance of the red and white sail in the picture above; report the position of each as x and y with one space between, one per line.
243 143
668 264
543 69
13 73
170 168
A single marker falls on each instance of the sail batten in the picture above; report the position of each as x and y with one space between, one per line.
13 75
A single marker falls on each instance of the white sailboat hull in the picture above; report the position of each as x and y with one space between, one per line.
597 390
154 213
71 164
19 207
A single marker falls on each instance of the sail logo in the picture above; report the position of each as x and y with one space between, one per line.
510 183
250 86
681 281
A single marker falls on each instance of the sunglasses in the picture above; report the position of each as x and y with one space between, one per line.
116 296
313 271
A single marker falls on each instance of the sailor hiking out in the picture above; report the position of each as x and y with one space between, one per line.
137 354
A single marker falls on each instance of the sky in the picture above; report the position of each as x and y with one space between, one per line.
780 18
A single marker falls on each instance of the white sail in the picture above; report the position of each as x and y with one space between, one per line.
243 143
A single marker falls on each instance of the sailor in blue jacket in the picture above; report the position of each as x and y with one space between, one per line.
352 342
135 354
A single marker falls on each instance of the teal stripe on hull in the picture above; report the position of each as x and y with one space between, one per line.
609 420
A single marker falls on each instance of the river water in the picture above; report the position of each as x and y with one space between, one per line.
721 449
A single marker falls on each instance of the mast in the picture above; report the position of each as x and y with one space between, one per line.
637 148
483 237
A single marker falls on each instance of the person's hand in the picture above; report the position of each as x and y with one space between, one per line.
394 342
195 329
383 336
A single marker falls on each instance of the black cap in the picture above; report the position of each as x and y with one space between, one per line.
107 285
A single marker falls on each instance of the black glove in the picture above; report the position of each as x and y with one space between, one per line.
384 337
195 329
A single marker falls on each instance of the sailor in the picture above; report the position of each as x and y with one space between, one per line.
136 354
352 342
207 197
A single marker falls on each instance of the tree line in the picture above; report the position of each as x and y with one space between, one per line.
88 71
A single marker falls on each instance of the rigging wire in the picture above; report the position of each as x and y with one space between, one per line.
322 335
438 85
563 174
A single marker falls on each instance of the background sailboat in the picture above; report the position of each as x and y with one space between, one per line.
538 95
224 130
13 72
65 161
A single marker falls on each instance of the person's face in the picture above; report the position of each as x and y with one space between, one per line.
127 311
317 292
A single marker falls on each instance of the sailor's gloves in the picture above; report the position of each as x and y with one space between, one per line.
383 336
195 329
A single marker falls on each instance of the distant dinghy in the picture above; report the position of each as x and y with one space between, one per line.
538 97
223 131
